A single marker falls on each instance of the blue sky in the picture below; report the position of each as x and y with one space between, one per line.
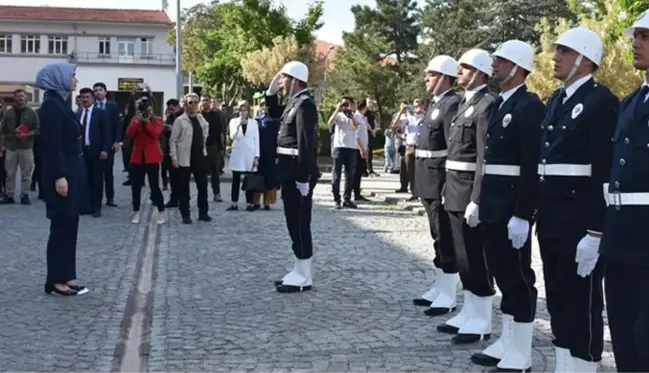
337 14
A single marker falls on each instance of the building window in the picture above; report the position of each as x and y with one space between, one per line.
58 45
126 50
5 43
147 48
104 46
30 44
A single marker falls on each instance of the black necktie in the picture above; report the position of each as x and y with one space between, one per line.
496 106
559 102
84 124
640 99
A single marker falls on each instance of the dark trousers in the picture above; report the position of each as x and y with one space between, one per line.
109 179
196 168
173 179
343 157
237 179
213 168
62 250
512 269
3 174
297 211
575 304
407 169
359 171
165 168
152 173
370 155
470 256
95 177
36 175
627 304
126 157
440 231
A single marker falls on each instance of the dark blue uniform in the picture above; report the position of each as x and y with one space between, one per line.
297 162
624 245
430 176
574 162
62 157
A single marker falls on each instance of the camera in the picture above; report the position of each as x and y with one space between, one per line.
143 101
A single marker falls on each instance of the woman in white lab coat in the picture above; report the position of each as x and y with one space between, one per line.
244 155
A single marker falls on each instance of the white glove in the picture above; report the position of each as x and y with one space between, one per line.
274 85
517 231
587 255
471 215
303 188
443 200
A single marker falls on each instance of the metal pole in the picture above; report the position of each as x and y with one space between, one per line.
180 89
191 82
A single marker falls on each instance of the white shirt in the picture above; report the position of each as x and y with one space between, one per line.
87 112
344 133
412 128
572 88
439 97
101 103
469 93
361 130
506 95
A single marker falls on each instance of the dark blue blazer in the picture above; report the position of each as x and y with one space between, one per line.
62 157
101 137
114 122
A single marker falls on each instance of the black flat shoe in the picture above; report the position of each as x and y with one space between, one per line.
278 283
484 360
79 289
49 289
267 208
447 329
465 339
422 302
438 311
291 289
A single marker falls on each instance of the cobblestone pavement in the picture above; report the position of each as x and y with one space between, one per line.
213 306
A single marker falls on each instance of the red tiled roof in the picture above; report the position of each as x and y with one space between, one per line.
83 14
327 49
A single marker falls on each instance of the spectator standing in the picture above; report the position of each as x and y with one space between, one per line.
3 174
215 145
371 116
268 131
18 127
344 150
362 143
168 173
115 129
244 157
390 151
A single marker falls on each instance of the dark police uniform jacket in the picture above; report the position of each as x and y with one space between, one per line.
431 150
512 146
577 133
298 130
466 147
625 237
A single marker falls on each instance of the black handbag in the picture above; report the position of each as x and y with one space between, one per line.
253 182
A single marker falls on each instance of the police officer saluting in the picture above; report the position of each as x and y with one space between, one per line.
509 185
297 169
430 175
624 245
575 160
462 197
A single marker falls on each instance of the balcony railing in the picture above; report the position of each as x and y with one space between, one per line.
137 59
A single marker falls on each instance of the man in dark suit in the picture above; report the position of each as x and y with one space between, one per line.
462 197
509 184
96 139
575 161
115 129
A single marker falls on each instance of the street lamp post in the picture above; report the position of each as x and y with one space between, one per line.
180 89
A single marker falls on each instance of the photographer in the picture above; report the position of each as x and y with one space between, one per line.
144 133
344 150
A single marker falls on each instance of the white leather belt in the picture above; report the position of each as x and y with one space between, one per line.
460 166
286 151
501 170
618 199
420 153
564 169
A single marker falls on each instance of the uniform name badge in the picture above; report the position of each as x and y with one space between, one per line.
506 120
468 112
577 110
434 114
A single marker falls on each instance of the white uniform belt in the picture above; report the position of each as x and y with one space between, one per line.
460 166
502 170
625 199
421 153
564 169
286 151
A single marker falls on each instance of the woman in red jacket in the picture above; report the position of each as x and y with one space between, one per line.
144 130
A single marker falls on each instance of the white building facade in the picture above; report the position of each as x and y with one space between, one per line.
117 47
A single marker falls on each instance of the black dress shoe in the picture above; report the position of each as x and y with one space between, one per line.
111 204
96 214
187 220
127 183
250 208
292 289
349 205
512 370
361 199
438 311
422 302
337 205
465 339
79 289
232 208
447 329
267 208
278 283
484 360
7 201
205 218
49 289
25 200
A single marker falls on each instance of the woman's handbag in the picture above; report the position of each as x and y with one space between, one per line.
253 182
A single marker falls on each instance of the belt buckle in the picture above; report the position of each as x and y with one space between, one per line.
484 168
617 200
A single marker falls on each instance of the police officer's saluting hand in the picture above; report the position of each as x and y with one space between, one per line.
297 168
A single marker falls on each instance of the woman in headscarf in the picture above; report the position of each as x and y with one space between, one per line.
63 177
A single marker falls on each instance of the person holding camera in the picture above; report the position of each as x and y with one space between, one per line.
344 150
144 133
189 156
244 157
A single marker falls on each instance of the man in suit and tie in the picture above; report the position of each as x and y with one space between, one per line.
115 129
96 139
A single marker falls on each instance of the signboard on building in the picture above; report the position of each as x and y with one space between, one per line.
128 84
